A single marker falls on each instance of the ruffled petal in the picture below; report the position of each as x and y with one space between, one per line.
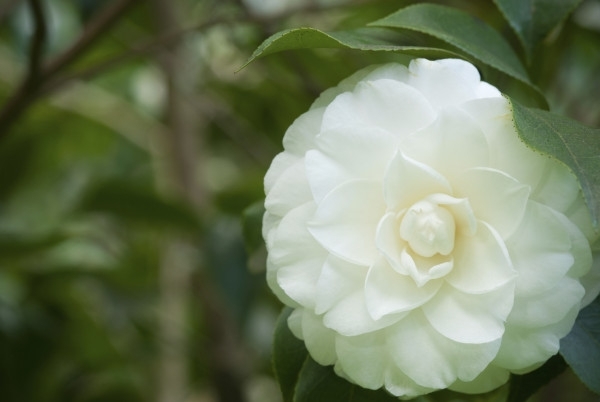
407 181
388 292
279 165
470 318
338 279
523 347
547 308
389 243
540 250
345 221
363 358
399 384
495 197
481 262
300 136
365 153
558 187
350 316
452 144
289 191
319 340
431 359
489 379
445 82
296 257
381 103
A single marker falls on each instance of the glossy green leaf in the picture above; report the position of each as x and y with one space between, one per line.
464 32
524 386
574 144
289 355
366 39
581 347
532 20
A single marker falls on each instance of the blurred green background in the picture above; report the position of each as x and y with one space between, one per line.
130 147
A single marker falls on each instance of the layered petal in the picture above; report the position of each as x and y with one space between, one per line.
338 280
363 358
289 191
346 220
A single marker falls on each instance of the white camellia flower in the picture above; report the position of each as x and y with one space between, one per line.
421 243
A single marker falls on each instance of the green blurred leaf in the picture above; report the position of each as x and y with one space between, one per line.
524 386
252 226
465 32
581 347
574 144
17 245
366 39
532 20
139 204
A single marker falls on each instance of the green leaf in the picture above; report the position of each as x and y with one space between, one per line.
252 226
524 386
574 144
465 32
16 245
366 39
581 347
532 20
289 355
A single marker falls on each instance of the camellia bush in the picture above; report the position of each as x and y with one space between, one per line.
431 226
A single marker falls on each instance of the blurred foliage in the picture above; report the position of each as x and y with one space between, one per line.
86 204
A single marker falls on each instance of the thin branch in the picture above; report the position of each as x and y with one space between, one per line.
29 90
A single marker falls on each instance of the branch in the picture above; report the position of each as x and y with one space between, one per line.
29 90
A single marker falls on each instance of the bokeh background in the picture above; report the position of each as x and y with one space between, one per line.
132 152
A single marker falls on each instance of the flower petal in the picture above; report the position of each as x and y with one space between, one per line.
388 292
365 153
389 243
338 279
547 308
380 103
431 359
470 318
399 384
279 165
345 221
489 379
319 340
350 316
300 136
481 262
408 181
523 347
558 187
495 197
363 358
289 191
296 257
540 250
451 144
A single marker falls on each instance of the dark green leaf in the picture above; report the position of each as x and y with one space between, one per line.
138 204
19 245
574 144
581 347
289 355
523 386
369 39
532 20
465 32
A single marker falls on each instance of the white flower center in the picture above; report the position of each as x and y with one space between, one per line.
429 229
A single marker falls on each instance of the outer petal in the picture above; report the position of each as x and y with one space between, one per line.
523 347
363 358
345 221
408 181
296 257
384 103
495 197
319 340
279 165
481 262
558 187
445 82
469 318
290 190
399 384
432 360
300 136
338 280
491 378
346 154
388 292
540 250
452 144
